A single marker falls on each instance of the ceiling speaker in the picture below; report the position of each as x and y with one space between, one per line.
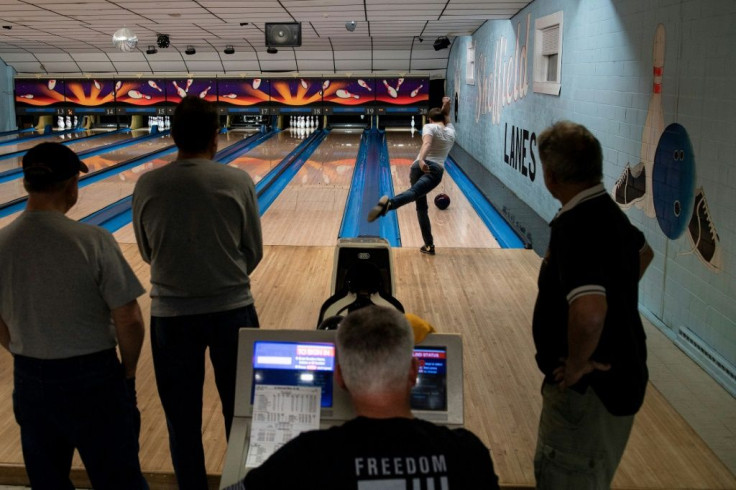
283 34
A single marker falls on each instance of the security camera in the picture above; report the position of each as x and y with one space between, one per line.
350 26
162 40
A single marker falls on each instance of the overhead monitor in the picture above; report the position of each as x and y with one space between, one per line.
38 95
297 95
178 88
347 95
140 92
243 95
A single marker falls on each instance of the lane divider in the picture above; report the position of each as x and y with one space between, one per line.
371 180
120 213
271 185
34 136
494 221
15 173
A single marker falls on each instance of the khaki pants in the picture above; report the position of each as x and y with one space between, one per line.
580 443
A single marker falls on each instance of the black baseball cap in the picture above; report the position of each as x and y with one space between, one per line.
51 162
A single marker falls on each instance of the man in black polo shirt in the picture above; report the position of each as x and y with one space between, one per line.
588 334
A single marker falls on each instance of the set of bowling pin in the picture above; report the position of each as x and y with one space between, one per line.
303 122
302 132
66 123
163 122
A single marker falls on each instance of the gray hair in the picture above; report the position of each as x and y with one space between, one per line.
374 349
571 153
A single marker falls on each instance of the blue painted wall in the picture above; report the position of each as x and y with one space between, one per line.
7 105
606 84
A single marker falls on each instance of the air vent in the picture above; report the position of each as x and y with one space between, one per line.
722 370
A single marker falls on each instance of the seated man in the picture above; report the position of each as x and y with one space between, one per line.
384 447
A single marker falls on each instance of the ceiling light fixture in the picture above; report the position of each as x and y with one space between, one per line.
272 50
441 43
229 49
350 26
151 50
124 39
190 50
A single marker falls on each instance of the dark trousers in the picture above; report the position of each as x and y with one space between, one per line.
178 345
81 402
421 183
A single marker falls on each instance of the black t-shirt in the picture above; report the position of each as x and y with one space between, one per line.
367 454
594 249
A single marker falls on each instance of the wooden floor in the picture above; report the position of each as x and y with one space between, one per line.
485 294
470 287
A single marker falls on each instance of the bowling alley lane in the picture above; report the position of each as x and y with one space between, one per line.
96 196
28 144
310 209
15 136
457 226
257 162
14 188
81 145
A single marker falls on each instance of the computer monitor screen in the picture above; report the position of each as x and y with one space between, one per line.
294 364
430 391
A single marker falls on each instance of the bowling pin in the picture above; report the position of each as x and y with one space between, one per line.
179 91
412 123
203 93
97 84
325 84
230 96
134 94
189 84
364 85
68 121
60 122
118 85
391 91
654 123
52 84
256 83
26 96
167 123
344 94
76 121
398 84
153 84
304 84
416 91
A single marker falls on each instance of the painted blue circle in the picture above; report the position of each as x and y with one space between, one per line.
673 180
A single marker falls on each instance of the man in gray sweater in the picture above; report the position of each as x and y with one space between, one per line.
197 223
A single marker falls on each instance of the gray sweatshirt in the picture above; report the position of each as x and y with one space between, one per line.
197 223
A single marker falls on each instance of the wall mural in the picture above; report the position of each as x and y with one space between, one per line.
663 182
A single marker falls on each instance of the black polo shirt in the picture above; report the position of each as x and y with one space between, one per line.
594 249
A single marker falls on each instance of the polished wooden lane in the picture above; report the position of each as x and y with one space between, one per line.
57 138
257 162
115 187
485 294
14 188
456 226
310 209
79 146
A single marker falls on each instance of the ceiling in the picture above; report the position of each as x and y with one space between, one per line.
72 37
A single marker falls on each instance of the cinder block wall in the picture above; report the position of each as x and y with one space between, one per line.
606 84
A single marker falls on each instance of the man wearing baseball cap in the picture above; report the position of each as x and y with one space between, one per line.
67 299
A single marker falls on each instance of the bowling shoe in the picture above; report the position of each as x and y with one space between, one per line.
379 209
427 249
629 188
702 232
